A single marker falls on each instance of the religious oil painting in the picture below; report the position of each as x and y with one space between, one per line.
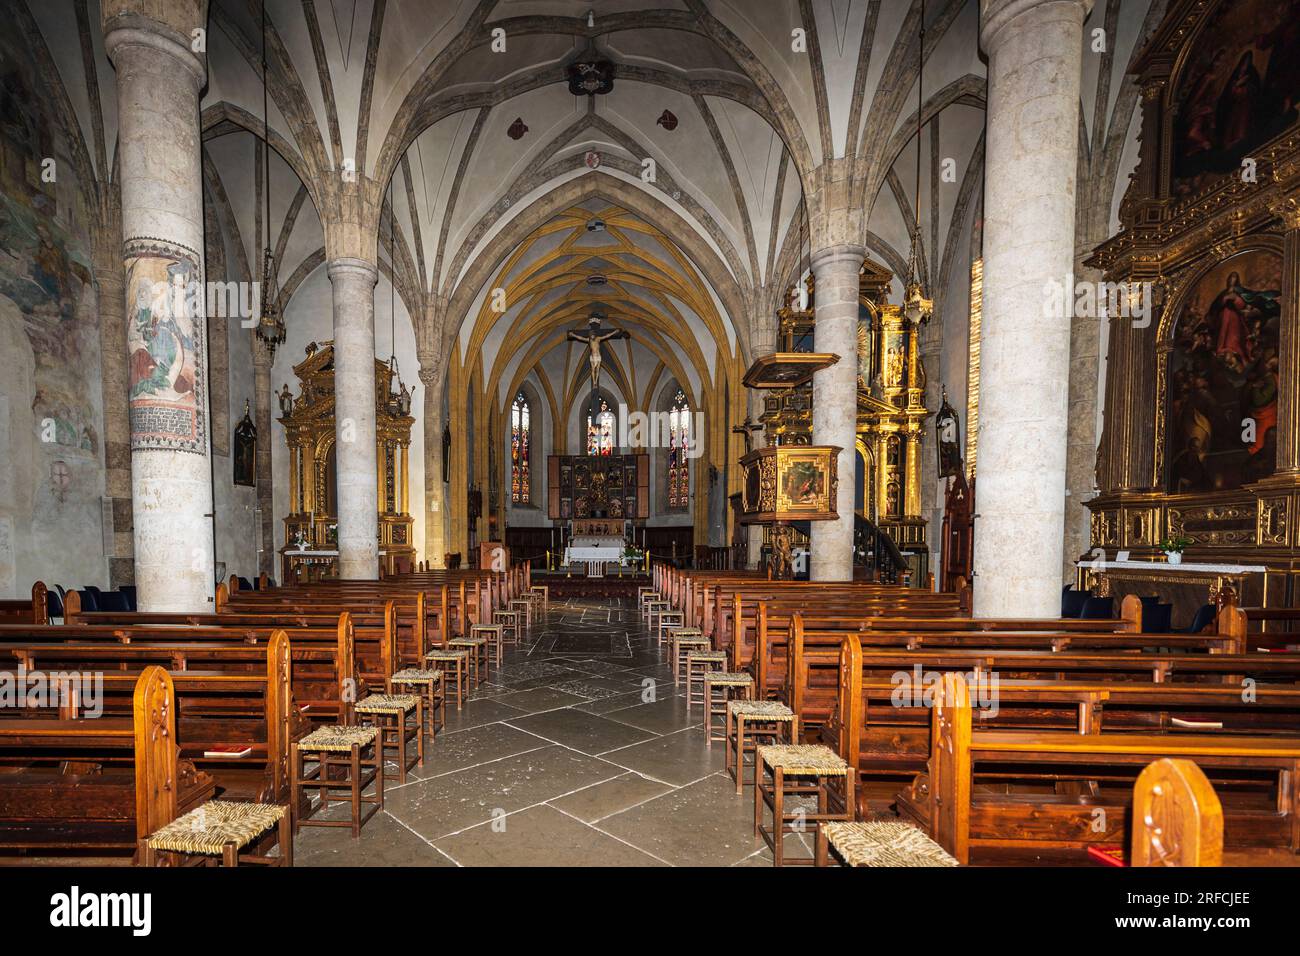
1221 429
1239 89
803 484
165 348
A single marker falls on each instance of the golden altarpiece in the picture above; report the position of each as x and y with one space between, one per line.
1201 439
891 402
311 527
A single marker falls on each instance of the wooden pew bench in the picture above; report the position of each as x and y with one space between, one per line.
1023 808
78 787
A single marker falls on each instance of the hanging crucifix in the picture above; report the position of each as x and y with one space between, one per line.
593 337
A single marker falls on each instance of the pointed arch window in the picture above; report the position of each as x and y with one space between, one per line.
600 431
520 433
679 465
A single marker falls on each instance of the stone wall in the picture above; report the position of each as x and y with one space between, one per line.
51 426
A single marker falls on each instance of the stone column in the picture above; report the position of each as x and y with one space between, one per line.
1034 51
263 358
435 490
354 406
158 83
1081 439
111 298
835 399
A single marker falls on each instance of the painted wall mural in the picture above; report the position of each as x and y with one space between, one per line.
51 466
1223 377
1240 88
164 334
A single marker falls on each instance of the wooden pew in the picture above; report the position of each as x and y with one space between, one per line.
882 726
33 611
323 659
96 785
1177 817
214 709
966 815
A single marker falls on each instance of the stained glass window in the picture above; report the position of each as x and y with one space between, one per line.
520 428
679 465
600 433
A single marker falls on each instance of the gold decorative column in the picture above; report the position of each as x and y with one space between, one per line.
1288 371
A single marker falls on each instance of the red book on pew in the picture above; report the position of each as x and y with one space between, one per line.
231 751
1107 854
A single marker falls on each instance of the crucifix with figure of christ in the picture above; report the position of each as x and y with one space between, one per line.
593 337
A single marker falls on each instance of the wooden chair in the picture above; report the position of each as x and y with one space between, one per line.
751 723
800 770
361 763
699 662
427 683
512 621
523 608
721 687
453 661
220 829
399 718
682 642
880 843
493 636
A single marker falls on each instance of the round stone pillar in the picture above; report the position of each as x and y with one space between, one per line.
354 409
1031 153
835 400
263 358
158 83
435 496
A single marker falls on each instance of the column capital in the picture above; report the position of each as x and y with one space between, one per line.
996 14
835 208
430 375
350 217
125 28
347 266
1287 209
846 252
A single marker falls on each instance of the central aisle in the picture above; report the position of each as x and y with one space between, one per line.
578 751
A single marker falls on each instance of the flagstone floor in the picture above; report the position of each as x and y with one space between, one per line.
578 751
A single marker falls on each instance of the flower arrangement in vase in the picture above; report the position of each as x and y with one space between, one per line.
1174 548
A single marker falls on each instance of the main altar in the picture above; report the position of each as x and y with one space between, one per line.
595 543
310 551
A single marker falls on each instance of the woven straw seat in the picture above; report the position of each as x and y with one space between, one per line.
387 704
338 737
760 709
730 678
467 641
680 632
416 675
707 655
700 641
443 654
885 843
207 829
803 759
